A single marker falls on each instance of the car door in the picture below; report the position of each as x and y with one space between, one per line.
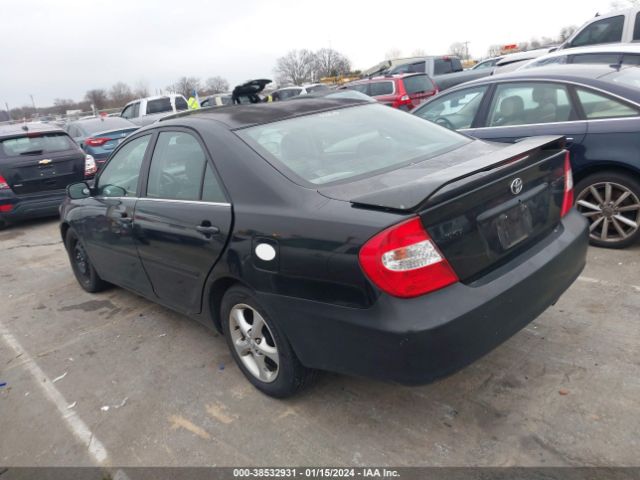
518 110
612 130
107 222
183 221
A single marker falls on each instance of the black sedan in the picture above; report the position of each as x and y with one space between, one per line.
332 234
596 107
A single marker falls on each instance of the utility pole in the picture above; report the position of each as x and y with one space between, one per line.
33 102
466 49
7 107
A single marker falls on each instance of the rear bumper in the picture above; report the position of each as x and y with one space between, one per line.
418 340
32 206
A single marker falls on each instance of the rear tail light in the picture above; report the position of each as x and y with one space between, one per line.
403 103
90 167
404 262
6 208
3 184
96 142
567 200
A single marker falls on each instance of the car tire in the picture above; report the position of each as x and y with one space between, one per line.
614 222
84 272
265 357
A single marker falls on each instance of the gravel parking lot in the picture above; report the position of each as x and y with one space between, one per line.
116 380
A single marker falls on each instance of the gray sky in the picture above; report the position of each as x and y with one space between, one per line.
59 48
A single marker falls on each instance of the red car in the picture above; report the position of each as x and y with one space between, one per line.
405 91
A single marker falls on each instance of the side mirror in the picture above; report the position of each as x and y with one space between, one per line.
77 191
113 191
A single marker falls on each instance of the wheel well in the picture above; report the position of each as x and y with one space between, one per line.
603 167
217 291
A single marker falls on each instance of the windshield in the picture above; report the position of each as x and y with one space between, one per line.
628 76
349 142
36 144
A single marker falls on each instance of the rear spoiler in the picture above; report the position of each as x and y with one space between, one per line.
422 191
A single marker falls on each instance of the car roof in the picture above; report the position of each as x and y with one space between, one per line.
19 129
388 78
596 75
607 48
240 116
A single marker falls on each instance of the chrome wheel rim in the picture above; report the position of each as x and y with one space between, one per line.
254 343
612 209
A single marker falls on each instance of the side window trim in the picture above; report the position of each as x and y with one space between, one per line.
483 112
146 166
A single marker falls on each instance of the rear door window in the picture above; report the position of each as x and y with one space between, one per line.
596 105
120 176
529 103
211 188
636 28
159 105
361 87
417 84
607 30
177 167
377 89
454 110
36 144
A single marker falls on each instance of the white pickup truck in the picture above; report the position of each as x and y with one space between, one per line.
621 26
145 111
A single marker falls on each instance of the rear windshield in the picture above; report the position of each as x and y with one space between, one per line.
35 144
159 105
417 84
350 142
628 76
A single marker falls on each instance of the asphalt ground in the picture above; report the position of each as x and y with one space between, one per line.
114 380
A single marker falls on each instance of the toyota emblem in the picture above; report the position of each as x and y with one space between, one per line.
516 186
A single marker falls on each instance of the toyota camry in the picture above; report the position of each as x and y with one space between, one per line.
332 234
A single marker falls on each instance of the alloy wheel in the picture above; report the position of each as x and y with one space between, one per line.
254 343
612 209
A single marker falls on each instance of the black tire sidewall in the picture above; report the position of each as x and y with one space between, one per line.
291 373
629 182
92 283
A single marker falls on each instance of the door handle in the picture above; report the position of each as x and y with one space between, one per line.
207 230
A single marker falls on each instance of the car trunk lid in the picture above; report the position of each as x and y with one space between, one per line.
479 212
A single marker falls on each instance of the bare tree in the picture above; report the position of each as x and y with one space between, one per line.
185 86
120 93
566 32
295 67
330 63
494 50
393 53
141 89
216 85
63 104
97 97
418 52
458 49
